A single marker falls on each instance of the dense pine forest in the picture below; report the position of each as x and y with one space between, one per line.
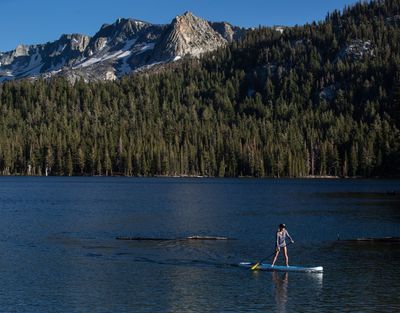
319 99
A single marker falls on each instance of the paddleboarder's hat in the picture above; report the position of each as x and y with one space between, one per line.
282 226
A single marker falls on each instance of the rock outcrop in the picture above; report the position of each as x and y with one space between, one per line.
126 46
187 35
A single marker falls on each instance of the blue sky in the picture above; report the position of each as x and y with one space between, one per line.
39 21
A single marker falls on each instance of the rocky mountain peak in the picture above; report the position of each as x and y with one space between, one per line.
120 48
188 24
188 35
228 31
112 35
21 50
75 41
187 13
121 30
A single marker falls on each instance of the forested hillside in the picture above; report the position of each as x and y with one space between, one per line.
320 99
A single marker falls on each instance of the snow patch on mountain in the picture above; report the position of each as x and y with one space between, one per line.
125 52
118 49
147 46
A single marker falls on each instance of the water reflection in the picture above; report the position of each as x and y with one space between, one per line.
317 279
281 290
305 288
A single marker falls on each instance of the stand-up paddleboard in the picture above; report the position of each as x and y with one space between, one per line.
269 267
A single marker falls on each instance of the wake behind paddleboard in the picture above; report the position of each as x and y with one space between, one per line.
269 267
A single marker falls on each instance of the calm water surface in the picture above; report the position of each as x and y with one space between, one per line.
58 251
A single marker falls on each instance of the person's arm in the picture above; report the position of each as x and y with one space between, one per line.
287 233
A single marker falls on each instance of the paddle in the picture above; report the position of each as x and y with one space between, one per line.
258 263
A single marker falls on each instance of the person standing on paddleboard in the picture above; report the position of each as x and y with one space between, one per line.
281 235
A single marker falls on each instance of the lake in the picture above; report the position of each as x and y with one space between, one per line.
59 253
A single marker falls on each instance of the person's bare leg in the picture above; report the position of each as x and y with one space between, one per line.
286 256
275 256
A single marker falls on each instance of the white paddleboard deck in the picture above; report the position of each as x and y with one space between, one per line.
269 267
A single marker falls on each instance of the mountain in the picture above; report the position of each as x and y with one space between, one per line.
187 35
126 46
321 99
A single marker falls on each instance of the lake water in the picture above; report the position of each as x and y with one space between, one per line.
58 251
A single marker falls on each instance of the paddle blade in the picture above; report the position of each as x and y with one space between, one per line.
255 266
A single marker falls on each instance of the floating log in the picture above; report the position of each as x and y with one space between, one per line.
206 238
382 239
173 239
142 238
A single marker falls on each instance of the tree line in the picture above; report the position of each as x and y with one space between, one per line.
294 104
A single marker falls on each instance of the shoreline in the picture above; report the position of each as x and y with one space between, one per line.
309 177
